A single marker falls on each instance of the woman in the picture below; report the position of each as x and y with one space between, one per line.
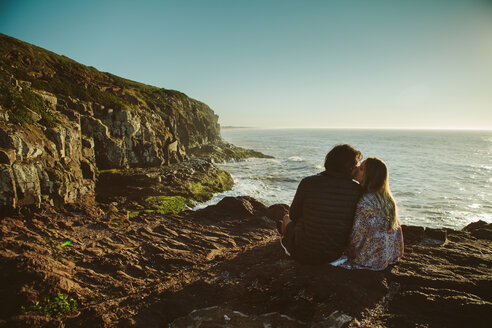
376 240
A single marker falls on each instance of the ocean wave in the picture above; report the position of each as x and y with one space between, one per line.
280 178
296 159
406 193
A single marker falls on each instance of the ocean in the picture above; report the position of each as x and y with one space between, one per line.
440 178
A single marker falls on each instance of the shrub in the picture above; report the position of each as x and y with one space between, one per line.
59 306
21 102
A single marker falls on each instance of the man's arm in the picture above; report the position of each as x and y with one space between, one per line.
295 211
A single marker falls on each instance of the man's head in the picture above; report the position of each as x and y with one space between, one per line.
343 159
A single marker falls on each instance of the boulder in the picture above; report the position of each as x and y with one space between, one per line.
480 229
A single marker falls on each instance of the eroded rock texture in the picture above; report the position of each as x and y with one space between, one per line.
223 266
52 166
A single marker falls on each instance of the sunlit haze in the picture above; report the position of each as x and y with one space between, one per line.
375 64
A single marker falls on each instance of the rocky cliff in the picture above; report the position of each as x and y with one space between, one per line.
62 122
223 266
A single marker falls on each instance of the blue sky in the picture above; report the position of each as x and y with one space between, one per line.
392 64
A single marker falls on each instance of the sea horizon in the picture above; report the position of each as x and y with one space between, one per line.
440 177
360 128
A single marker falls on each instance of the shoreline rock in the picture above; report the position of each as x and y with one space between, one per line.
171 188
152 269
221 152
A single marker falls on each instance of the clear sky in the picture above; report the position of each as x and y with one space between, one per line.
394 64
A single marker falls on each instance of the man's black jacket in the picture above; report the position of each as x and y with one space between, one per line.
323 212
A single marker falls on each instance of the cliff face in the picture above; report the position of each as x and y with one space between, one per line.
61 122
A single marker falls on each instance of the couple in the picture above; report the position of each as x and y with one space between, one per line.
332 216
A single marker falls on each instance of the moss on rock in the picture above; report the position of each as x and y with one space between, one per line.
203 190
166 204
198 191
169 189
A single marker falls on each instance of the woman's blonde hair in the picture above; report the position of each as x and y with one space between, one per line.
376 180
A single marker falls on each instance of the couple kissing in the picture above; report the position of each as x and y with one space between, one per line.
344 214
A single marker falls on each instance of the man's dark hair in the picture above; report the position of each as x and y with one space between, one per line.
343 159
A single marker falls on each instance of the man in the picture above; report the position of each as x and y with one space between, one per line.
320 219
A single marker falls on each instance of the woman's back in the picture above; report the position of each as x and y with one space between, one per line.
373 244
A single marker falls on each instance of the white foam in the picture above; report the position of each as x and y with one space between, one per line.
296 159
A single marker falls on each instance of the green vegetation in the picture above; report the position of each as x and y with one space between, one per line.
133 214
166 204
178 200
61 75
22 104
200 192
59 306
203 190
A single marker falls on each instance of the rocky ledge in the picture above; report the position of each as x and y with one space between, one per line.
61 123
222 266
222 151
166 189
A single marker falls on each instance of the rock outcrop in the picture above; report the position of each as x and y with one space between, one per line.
53 166
223 151
222 266
170 188
61 122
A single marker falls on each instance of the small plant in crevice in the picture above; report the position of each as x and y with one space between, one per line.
56 245
59 306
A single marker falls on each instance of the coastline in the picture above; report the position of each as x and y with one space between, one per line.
97 175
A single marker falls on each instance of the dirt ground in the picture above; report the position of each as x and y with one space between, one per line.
223 267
